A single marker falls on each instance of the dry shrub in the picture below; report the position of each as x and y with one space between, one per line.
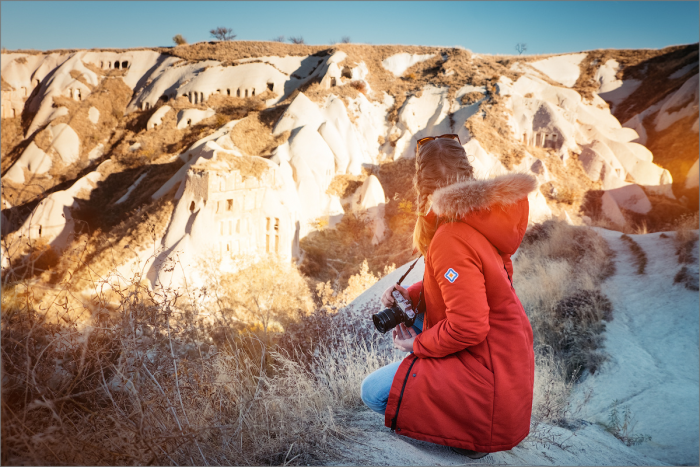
472 97
550 401
360 85
684 241
639 257
344 185
332 299
157 378
248 166
317 93
558 272
11 137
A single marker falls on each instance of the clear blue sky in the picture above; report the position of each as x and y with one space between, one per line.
483 27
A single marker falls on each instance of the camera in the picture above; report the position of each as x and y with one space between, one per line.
401 312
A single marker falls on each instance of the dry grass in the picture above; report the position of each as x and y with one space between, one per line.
254 136
229 51
490 127
110 98
627 58
334 254
345 185
639 257
11 136
684 242
558 272
156 378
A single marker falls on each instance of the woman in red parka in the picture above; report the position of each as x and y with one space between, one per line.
468 382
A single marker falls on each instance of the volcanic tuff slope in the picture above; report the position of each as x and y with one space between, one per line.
254 147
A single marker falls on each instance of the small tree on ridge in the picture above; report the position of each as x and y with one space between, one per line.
520 47
223 34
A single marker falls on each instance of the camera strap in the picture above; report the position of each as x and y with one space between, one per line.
409 270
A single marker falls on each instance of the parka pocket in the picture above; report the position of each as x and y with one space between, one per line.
476 367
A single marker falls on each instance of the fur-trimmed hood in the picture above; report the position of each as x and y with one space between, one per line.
461 198
497 207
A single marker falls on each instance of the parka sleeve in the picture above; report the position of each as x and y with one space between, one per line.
459 274
414 293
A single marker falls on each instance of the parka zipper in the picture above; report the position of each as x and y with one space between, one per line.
398 406
509 279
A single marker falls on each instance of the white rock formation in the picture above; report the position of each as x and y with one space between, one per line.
631 197
221 211
156 119
426 115
369 202
32 159
51 220
94 115
611 210
563 69
190 117
399 63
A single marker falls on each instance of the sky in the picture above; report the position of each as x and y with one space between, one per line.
483 27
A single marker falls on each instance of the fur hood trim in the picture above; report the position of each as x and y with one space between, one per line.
464 197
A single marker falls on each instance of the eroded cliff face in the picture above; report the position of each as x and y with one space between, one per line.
255 148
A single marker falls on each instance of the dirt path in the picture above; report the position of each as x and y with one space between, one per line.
653 347
590 444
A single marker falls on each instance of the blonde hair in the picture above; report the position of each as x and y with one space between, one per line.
439 163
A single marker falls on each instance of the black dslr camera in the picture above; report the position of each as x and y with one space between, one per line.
401 312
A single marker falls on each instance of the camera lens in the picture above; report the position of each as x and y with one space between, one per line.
386 319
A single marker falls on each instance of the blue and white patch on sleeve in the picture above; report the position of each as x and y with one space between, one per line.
451 275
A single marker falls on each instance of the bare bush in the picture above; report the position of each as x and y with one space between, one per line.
179 40
520 47
155 377
558 272
297 40
345 40
639 257
278 39
222 34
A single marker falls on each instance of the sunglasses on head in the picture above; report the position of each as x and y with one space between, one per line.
422 141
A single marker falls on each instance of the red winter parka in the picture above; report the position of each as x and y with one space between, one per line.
469 382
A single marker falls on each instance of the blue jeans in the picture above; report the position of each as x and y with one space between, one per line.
375 387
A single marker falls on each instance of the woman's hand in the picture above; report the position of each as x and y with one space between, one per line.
388 300
403 337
